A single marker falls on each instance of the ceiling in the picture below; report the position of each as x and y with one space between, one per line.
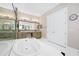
31 8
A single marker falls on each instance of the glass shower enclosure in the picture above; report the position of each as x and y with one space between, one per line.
7 29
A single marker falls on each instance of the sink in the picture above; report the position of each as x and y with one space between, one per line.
25 47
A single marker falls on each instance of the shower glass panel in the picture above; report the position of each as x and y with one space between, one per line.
7 29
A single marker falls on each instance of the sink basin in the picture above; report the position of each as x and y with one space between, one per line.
25 47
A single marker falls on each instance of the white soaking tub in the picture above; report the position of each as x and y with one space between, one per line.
33 47
23 47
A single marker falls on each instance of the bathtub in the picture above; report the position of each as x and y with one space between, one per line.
33 47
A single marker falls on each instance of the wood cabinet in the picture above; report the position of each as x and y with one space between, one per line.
23 35
8 35
37 35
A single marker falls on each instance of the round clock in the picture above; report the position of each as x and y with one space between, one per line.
73 17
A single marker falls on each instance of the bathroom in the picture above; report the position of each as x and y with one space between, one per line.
39 29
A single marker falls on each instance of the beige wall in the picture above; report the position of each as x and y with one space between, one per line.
6 12
21 15
43 22
73 27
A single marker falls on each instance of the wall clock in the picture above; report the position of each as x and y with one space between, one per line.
73 17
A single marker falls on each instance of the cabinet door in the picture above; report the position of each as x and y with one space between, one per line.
56 29
50 27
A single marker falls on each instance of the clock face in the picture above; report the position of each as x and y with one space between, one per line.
73 17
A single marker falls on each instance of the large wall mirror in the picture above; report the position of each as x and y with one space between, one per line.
27 25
